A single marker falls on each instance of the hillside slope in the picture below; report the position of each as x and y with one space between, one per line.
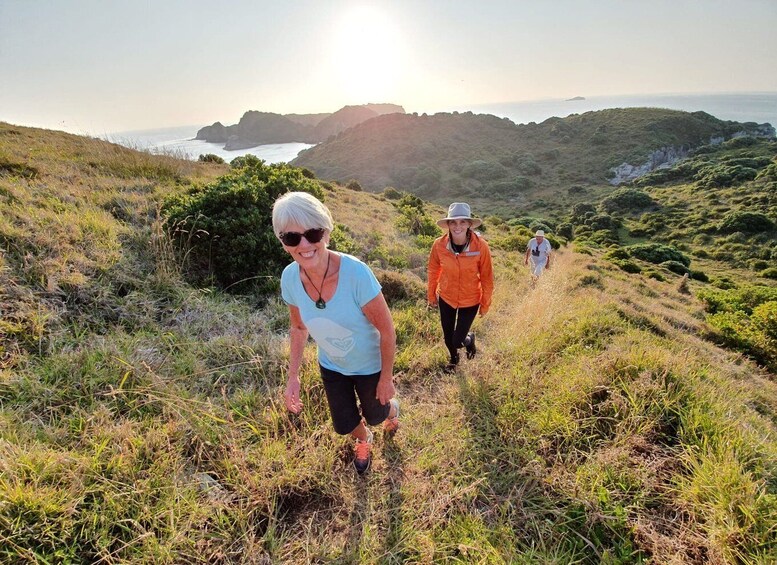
447 157
140 418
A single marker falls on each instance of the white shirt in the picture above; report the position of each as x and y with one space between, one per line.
539 251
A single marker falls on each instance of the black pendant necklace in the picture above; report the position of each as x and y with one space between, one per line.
320 304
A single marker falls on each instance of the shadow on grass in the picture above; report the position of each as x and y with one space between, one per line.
362 514
395 476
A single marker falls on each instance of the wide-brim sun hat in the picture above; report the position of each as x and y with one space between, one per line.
540 233
459 211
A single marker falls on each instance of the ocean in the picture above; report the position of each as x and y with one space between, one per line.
741 107
180 142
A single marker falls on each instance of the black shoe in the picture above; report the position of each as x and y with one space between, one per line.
470 347
451 366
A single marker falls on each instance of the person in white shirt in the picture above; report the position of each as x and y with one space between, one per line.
538 252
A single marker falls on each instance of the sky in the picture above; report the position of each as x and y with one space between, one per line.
101 66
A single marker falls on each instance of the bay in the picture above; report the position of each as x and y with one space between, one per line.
180 142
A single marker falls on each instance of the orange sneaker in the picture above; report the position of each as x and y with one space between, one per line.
363 449
391 425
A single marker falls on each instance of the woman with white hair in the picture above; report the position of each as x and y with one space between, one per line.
337 300
460 279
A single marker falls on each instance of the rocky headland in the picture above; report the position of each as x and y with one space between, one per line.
261 128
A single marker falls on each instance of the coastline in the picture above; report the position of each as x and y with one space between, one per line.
759 107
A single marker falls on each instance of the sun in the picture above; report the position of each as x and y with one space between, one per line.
367 54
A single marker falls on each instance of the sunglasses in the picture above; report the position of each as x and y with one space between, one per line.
293 239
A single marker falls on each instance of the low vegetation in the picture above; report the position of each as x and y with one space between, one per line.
507 169
603 421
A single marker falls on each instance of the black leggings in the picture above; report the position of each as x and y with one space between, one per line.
455 331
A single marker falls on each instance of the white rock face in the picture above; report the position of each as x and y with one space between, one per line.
660 159
667 156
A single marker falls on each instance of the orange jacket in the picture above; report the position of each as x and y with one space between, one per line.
463 279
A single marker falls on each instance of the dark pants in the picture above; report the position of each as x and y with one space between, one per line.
455 330
341 393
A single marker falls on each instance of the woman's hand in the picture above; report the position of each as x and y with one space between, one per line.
291 395
385 390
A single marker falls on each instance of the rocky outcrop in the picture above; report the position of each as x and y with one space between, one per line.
217 133
665 157
660 159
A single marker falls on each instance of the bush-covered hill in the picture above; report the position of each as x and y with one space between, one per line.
140 419
718 204
489 160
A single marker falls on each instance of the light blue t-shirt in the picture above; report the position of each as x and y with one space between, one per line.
347 342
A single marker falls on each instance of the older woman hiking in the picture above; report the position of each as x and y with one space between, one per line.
337 300
460 279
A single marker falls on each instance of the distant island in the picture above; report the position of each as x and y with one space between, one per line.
575 98
260 128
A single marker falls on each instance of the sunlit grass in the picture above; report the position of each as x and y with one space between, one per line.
141 419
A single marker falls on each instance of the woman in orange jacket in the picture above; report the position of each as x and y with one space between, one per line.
460 279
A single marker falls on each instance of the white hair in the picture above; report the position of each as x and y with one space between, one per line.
300 208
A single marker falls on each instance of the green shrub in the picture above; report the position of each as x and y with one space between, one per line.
617 253
602 222
625 199
483 170
392 193
723 283
211 158
649 273
628 266
657 253
604 237
723 175
754 333
640 231
353 184
699 276
566 230
580 212
743 299
746 222
511 187
342 241
225 229
399 287
765 319
675 267
582 247
770 273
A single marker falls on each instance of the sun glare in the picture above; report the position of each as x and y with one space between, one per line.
367 54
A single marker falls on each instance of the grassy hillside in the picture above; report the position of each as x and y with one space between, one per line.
500 166
141 419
